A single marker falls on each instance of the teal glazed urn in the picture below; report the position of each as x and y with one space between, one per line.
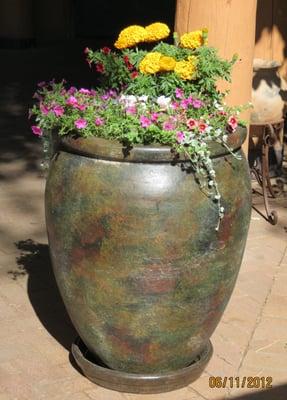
143 273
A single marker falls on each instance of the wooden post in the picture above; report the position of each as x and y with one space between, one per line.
271 32
231 27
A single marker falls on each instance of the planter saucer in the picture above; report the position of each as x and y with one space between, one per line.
138 383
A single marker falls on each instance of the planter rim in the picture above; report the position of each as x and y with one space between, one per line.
95 147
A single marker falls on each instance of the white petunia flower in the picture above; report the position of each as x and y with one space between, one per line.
143 99
164 102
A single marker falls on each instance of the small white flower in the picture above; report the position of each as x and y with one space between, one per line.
218 131
212 172
143 99
224 138
218 106
164 102
210 183
222 209
128 101
208 129
217 196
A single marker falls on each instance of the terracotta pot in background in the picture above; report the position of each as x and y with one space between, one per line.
269 92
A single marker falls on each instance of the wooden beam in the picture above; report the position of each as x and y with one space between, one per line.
231 26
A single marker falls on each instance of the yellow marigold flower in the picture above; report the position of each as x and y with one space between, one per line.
156 31
192 40
131 36
150 64
166 63
186 69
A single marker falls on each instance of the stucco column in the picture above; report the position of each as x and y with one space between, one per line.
231 27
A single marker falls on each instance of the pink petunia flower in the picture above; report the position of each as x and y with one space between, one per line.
191 123
105 96
185 103
72 101
84 91
180 136
232 122
179 93
99 121
37 130
44 109
58 110
72 90
112 93
131 110
197 103
41 84
168 125
154 117
81 107
81 123
145 121
175 105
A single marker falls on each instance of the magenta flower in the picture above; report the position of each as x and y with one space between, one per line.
178 93
93 92
180 136
58 110
168 126
81 107
37 130
41 84
81 123
197 103
72 101
85 91
105 96
72 90
112 93
99 121
131 110
145 121
232 122
185 103
175 105
44 109
154 117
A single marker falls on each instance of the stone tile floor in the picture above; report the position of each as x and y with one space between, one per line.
36 334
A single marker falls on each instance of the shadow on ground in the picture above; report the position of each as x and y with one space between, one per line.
43 293
276 393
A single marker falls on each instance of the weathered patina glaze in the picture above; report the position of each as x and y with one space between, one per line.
143 273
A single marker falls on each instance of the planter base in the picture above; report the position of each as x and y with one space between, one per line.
138 383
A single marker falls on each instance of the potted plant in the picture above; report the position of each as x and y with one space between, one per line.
147 206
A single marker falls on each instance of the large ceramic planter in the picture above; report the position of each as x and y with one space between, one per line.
143 273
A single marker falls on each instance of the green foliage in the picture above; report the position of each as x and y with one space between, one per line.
136 107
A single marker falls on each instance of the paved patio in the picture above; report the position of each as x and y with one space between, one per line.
36 334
